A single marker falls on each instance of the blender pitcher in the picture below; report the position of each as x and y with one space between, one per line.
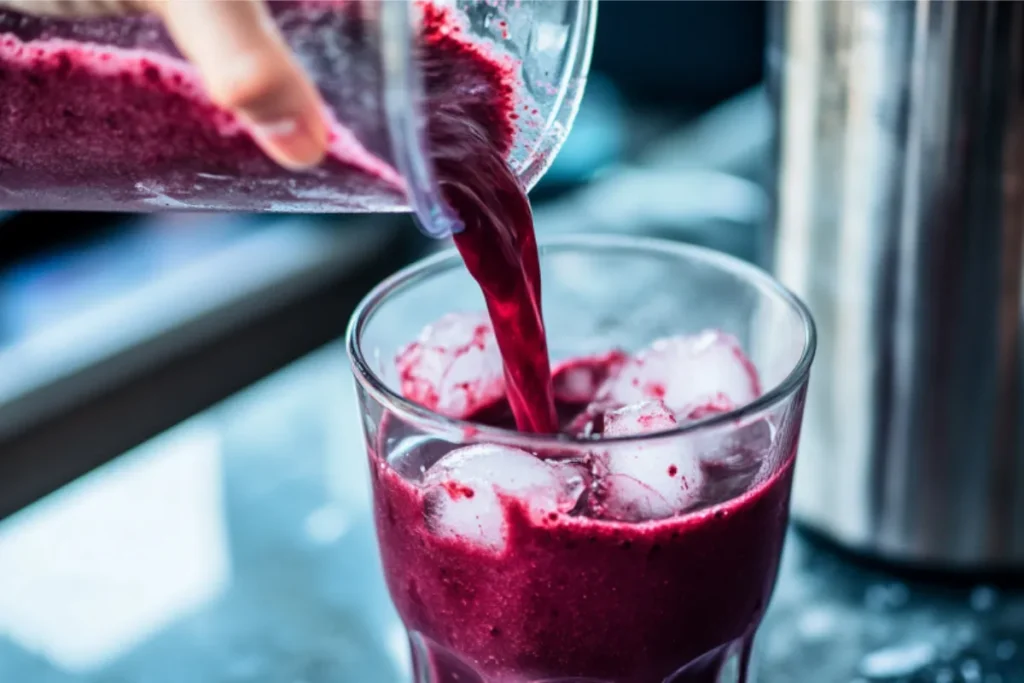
105 114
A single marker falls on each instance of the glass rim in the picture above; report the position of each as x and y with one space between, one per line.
438 424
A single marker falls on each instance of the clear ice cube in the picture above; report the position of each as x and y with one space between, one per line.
467 490
687 373
454 366
648 479
577 380
639 418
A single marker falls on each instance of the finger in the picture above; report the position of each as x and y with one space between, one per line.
247 68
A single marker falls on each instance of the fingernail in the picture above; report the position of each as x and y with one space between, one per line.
290 142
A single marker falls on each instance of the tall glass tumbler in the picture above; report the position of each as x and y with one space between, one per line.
549 593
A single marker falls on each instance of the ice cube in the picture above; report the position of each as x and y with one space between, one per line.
736 456
686 372
465 488
645 480
755 437
454 366
639 418
719 403
577 380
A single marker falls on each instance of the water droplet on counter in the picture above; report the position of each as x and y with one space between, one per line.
958 638
970 669
882 597
983 599
817 624
899 660
246 667
327 524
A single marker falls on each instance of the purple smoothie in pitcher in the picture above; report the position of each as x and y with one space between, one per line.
89 116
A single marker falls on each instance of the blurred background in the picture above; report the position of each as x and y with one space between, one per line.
182 494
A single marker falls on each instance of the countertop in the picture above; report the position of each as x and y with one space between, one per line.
238 547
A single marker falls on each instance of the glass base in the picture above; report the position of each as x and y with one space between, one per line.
727 664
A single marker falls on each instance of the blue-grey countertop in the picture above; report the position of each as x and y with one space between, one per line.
238 547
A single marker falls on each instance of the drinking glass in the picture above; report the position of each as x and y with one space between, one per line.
566 597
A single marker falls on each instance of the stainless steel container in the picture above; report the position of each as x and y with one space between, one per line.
899 218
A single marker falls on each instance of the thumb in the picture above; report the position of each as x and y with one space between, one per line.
247 68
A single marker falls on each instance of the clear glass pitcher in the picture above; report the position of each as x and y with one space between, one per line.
105 114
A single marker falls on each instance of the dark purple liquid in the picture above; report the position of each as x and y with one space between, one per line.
579 597
498 244
500 250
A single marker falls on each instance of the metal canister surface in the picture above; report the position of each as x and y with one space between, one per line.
899 218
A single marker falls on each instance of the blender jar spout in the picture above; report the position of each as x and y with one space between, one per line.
403 98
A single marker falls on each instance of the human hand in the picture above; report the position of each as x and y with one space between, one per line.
242 60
